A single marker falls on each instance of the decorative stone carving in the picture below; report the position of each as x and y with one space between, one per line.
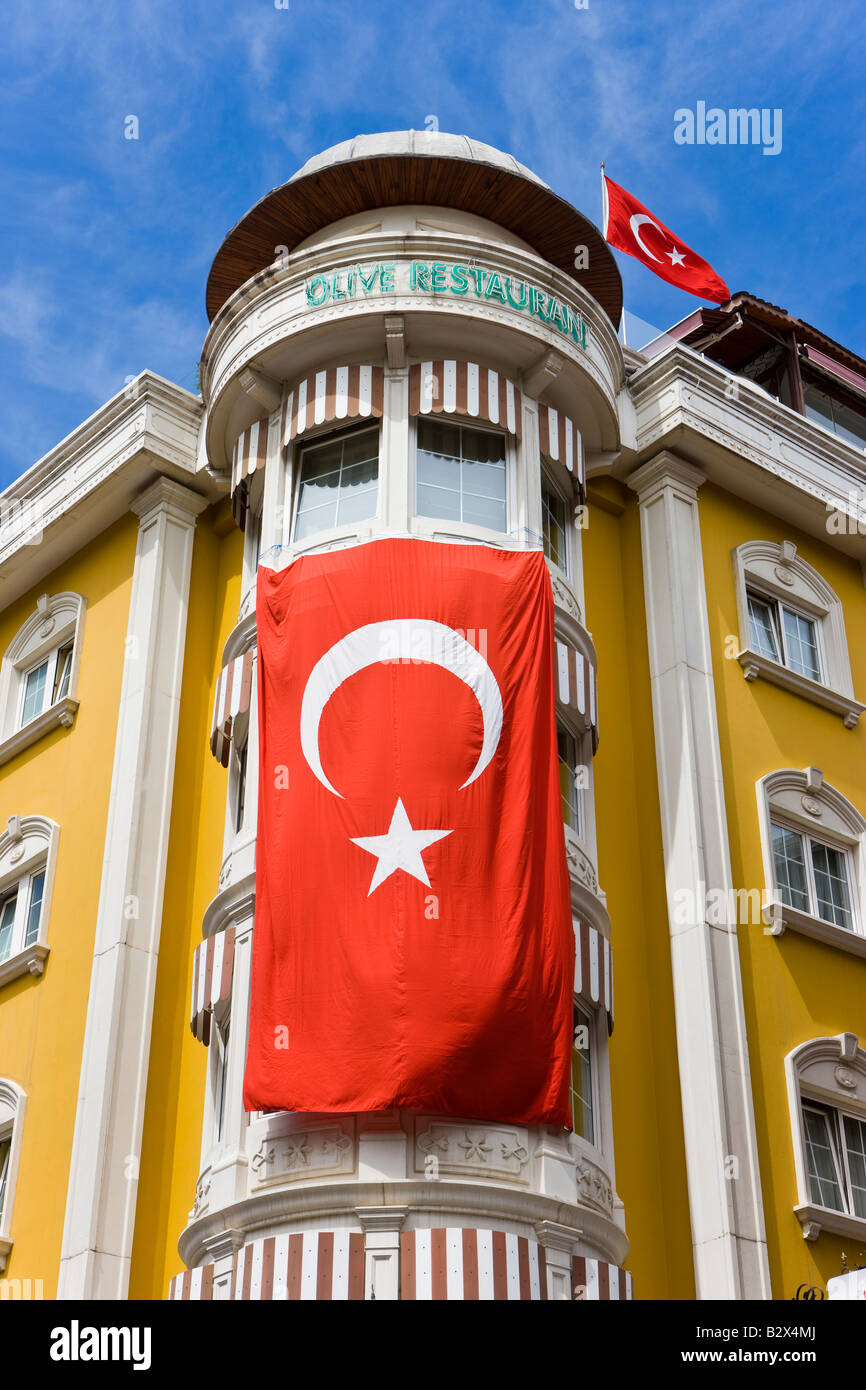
495 1151
811 806
564 598
580 866
202 1192
310 1153
785 575
593 1184
846 1078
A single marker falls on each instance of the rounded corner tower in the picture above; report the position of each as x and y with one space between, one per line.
400 285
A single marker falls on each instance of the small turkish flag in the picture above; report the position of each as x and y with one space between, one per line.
631 228
413 944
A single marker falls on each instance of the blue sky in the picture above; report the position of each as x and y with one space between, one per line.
107 242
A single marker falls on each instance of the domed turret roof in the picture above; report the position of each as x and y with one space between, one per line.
428 168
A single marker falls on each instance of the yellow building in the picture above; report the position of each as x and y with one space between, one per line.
406 305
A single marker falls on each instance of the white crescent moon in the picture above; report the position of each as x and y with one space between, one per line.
637 221
407 639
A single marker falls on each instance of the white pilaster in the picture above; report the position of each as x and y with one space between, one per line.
103 1181
728 1239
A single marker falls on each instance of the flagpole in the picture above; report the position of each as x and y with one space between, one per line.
605 208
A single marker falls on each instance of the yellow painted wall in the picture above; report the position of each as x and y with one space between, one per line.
174 1105
66 776
795 989
647 1118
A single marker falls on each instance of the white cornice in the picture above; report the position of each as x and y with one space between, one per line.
149 429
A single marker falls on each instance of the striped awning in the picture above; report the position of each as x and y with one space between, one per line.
317 1265
250 452
595 1281
559 439
234 687
338 394
194 1285
464 388
459 1263
593 969
576 684
212 966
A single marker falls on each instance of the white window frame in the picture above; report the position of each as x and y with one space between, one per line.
549 480
825 1073
800 800
778 607
333 535
28 846
57 621
441 528
13 1101
778 574
585 1014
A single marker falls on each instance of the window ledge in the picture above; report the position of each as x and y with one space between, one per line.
814 1220
755 665
780 918
31 960
61 715
6 1244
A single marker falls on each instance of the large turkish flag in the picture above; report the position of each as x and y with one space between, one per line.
413 944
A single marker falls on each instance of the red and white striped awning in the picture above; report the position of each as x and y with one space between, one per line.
338 394
446 1264
464 388
458 1263
596 1281
576 684
234 686
194 1285
250 451
314 1265
559 439
212 967
593 969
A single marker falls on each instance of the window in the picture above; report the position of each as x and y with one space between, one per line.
781 634
338 482
222 1079
28 850
834 415
813 877
12 1103
39 673
582 1109
814 842
566 748
827 1099
461 474
792 628
554 524
240 785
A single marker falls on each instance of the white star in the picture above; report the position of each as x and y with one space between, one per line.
677 257
400 848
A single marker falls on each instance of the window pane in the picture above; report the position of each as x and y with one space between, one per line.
855 1146
34 692
831 886
566 748
762 628
553 524
7 922
223 1044
34 911
62 672
581 1078
821 1163
790 868
801 642
339 483
5 1150
461 474
241 790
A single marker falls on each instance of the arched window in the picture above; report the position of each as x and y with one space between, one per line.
827 1098
813 845
39 673
12 1103
792 628
28 850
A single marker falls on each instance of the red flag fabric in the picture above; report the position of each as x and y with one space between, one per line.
630 227
413 944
